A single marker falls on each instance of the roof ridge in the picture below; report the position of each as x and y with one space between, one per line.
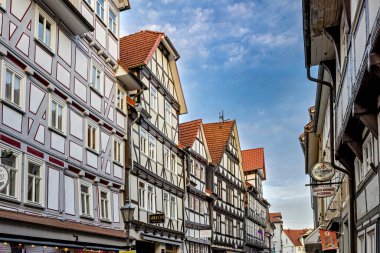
141 31
191 121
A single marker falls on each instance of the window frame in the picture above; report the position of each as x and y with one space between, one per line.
153 104
121 103
142 192
42 177
18 172
109 211
151 199
152 147
121 150
97 67
114 27
60 102
168 109
93 124
173 204
16 72
166 203
96 2
91 198
143 135
53 32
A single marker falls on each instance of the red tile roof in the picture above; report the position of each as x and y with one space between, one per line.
217 135
253 159
137 49
295 235
188 132
275 217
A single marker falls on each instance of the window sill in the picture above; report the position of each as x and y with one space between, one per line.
88 5
113 34
92 151
86 216
13 106
118 163
34 205
96 91
46 47
105 220
121 111
100 19
57 131
10 199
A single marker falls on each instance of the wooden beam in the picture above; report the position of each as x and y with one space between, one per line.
354 145
369 119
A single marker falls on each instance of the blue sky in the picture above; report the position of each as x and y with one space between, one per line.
245 58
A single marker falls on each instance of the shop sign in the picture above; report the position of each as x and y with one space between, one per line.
157 218
205 233
4 177
323 191
322 171
328 240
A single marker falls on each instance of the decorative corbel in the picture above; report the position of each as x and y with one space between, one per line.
368 118
354 145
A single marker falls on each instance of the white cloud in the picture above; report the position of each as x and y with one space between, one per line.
241 9
273 40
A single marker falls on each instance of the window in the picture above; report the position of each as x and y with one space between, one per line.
201 207
12 164
118 151
120 99
371 241
152 147
173 207
218 223
361 244
142 198
153 98
237 229
100 8
191 247
173 166
112 21
166 158
191 167
96 78
92 136
89 2
168 113
143 141
45 29
166 204
230 195
229 227
57 114
12 89
86 198
202 177
197 170
219 188
191 204
104 204
196 205
35 182
151 199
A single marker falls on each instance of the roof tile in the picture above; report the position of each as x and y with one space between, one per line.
188 132
295 235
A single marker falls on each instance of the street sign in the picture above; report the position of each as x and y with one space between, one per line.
205 233
323 191
4 177
322 171
157 218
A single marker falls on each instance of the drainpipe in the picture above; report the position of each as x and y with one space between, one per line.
351 179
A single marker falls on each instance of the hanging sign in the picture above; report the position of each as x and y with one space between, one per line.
157 218
328 239
205 233
322 171
4 177
323 191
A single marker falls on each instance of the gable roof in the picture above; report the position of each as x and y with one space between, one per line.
188 132
217 136
137 49
295 235
253 159
275 217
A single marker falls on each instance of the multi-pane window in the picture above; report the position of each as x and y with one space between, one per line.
142 192
99 8
238 229
92 135
191 204
153 98
166 204
202 177
218 223
151 199
229 227
219 188
86 198
45 29
120 99
191 166
173 207
12 90
96 78
152 147
118 151
371 241
168 113
230 195
196 205
166 158
143 141
197 169
112 21
104 204
173 169
34 183
57 114
361 244
12 164
89 2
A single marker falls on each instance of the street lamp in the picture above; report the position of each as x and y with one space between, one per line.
127 212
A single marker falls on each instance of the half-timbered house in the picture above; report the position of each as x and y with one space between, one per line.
256 207
156 162
197 202
227 182
63 116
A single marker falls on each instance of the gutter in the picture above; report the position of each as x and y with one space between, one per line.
351 176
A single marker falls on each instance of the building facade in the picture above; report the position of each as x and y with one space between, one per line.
276 219
293 240
197 201
345 48
64 122
256 207
227 182
156 162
